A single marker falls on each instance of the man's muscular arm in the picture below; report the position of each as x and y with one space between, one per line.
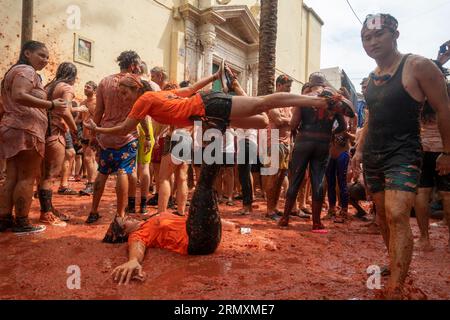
124 273
432 82
280 121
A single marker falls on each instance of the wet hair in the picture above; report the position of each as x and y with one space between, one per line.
92 84
66 73
28 46
146 86
305 87
160 70
170 86
127 58
185 84
343 91
144 68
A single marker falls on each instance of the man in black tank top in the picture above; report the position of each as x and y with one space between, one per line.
390 148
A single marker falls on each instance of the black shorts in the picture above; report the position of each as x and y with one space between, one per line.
169 146
218 108
78 149
430 178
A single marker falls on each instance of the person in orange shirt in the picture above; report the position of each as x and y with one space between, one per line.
182 106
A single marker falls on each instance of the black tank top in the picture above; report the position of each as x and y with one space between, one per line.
394 123
319 122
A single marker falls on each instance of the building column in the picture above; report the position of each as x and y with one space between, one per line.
254 79
208 41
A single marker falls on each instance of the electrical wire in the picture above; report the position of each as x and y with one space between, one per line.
349 4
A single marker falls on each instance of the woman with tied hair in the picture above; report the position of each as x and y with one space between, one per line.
55 147
22 135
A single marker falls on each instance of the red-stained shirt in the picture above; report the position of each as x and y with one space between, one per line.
116 111
58 125
32 120
165 231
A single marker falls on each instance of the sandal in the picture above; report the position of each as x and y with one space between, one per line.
93 217
319 229
300 214
60 215
306 211
50 219
273 216
230 203
176 213
67 192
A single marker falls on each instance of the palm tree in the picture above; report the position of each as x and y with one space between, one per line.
267 46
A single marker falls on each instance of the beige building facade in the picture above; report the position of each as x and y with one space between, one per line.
189 38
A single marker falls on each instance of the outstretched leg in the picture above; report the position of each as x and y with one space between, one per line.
243 106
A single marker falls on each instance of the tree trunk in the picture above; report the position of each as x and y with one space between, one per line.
267 46
27 21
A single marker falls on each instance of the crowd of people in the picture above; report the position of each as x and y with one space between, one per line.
391 150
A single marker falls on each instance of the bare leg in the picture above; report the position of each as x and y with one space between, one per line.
182 187
7 189
69 157
90 164
422 208
122 188
398 206
156 167
29 163
249 106
55 154
165 174
228 184
144 170
99 188
379 200
78 165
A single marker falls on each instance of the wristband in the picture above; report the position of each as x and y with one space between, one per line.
52 107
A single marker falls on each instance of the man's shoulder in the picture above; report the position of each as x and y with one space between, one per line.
417 62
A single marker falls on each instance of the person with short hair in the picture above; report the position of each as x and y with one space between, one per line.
312 146
117 153
87 140
279 120
391 153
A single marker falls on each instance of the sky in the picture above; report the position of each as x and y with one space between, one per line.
424 26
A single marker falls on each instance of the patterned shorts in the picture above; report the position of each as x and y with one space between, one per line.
283 157
121 161
401 177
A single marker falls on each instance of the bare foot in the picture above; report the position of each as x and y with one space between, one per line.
424 245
